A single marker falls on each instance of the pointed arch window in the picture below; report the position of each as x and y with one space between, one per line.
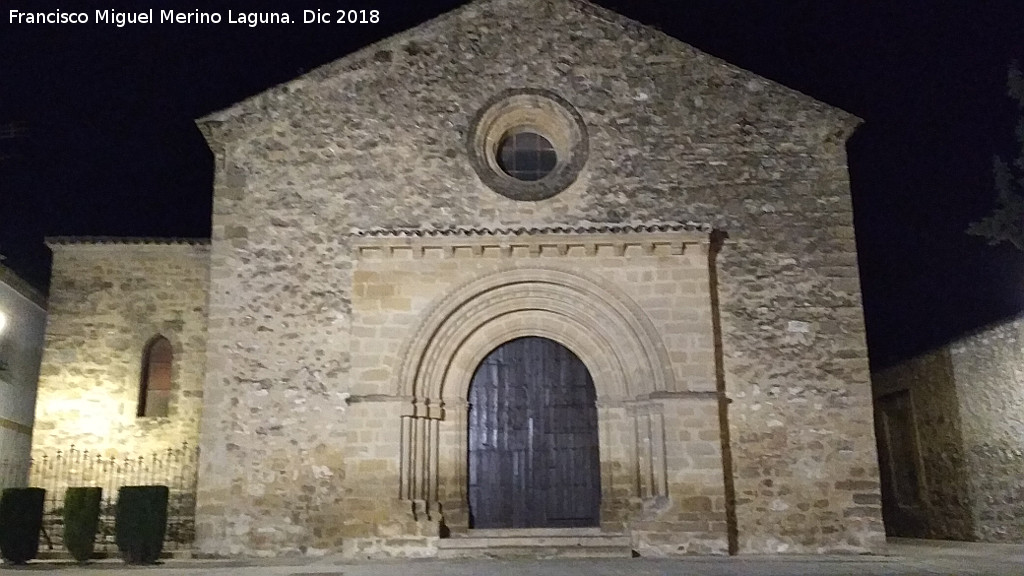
155 387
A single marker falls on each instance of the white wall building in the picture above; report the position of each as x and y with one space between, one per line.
22 325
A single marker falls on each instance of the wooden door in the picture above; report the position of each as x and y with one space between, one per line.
533 452
902 505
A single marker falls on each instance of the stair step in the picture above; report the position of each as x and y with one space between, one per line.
531 532
592 541
535 552
535 543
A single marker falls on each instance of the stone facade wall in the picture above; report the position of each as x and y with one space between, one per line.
969 411
108 300
989 373
425 312
21 348
379 139
945 507
665 275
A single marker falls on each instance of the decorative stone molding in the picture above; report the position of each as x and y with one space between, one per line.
419 473
528 109
631 301
650 458
609 333
657 239
644 227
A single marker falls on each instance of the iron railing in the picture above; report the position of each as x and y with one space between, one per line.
175 468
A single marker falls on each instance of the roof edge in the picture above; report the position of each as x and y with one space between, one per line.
959 340
53 241
243 106
468 231
22 287
847 122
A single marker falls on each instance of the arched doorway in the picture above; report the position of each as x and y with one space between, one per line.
533 445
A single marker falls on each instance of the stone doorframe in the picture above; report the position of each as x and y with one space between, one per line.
594 293
632 302
605 330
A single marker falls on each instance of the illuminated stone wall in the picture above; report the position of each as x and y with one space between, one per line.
23 312
989 371
379 139
968 406
942 509
634 306
108 299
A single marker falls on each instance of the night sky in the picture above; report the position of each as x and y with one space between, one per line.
100 137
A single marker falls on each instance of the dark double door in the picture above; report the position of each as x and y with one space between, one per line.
533 448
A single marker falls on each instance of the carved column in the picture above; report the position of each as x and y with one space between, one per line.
419 457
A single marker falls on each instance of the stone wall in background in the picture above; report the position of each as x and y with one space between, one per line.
942 506
23 311
379 139
989 374
968 410
109 298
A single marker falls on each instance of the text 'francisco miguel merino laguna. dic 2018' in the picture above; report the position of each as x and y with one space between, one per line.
151 16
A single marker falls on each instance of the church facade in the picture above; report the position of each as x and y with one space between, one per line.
529 265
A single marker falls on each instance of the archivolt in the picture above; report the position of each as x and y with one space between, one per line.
603 326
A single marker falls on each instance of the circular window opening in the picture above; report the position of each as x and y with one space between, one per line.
526 156
527 144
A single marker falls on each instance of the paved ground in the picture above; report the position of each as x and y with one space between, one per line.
903 557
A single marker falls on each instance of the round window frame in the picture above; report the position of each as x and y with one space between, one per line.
499 152
534 110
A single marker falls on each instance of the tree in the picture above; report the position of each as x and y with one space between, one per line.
1006 222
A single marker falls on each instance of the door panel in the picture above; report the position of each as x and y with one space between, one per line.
898 455
533 452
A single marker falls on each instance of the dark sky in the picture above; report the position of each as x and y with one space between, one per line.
106 144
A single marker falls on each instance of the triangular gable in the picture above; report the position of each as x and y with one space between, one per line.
368 60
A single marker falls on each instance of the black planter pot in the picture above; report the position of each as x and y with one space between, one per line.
81 518
21 519
141 523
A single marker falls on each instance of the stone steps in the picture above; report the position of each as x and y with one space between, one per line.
535 543
532 532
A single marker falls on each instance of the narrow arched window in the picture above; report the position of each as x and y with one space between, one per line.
155 388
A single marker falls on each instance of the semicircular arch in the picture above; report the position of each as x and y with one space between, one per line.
595 351
602 325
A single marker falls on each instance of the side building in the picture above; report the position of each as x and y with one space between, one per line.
950 428
22 322
122 375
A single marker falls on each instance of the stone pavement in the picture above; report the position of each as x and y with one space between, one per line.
903 557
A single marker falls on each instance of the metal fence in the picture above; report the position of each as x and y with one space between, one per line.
175 468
